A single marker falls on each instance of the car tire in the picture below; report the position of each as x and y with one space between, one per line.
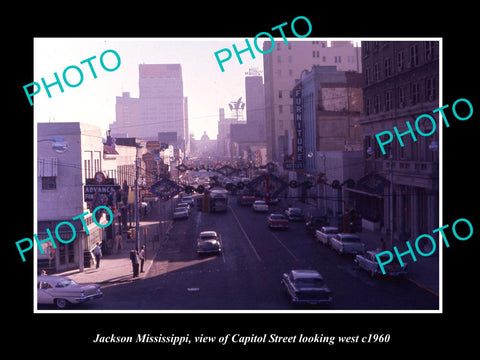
61 303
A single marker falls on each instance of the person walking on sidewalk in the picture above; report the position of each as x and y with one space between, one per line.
142 257
97 252
135 262
118 241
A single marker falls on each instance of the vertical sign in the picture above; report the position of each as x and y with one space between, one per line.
298 123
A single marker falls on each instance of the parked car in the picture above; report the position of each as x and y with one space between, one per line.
307 287
62 291
294 214
188 199
345 243
314 223
180 213
209 242
183 205
369 263
325 234
277 221
260 205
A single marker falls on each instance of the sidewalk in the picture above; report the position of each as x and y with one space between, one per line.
424 272
116 268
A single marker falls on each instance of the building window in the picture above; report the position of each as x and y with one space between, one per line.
279 94
376 72
415 93
280 109
388 67
367 106
279 59
401 97
414 55
290 72
376 104
400 61
324 58
430 89
49 182
388 101
429 50
337 59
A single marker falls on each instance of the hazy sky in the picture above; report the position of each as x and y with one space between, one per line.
93 101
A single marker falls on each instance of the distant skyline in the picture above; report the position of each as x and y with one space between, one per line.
93 101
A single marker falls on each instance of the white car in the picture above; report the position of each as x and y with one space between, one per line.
369 263
62 291
209 242
346 243
260 205
325 234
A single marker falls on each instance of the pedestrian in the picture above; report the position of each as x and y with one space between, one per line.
118 241
382 244
135 261
97 252
142 257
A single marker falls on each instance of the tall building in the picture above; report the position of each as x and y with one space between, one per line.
282 66
161 100
160 108
400 188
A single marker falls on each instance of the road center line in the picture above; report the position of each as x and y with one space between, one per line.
245 234
284 246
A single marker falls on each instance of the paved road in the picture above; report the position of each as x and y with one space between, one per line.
246 276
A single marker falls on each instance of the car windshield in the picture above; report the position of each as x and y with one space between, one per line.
351 239
331 231
309 282
277 217
65 283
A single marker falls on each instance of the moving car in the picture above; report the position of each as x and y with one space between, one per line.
346 243
62 291
180 213
277 221
369 263
260 205
208 242
306 287
245 198
294 214
183 205
325 234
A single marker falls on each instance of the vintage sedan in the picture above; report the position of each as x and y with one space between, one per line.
209 242
325 234
260 206
369 263
277 221
62 291
307 287
294 214
180 213
346 243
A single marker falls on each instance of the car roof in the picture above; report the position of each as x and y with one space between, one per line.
306 274
208 233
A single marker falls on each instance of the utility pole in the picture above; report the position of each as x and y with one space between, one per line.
137 239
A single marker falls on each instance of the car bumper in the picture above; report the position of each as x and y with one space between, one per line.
89 298
209 250
327 301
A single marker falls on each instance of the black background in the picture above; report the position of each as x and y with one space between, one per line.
411 334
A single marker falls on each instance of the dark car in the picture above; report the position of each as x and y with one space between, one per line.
314 223
307 287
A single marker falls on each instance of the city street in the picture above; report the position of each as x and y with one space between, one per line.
246 275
